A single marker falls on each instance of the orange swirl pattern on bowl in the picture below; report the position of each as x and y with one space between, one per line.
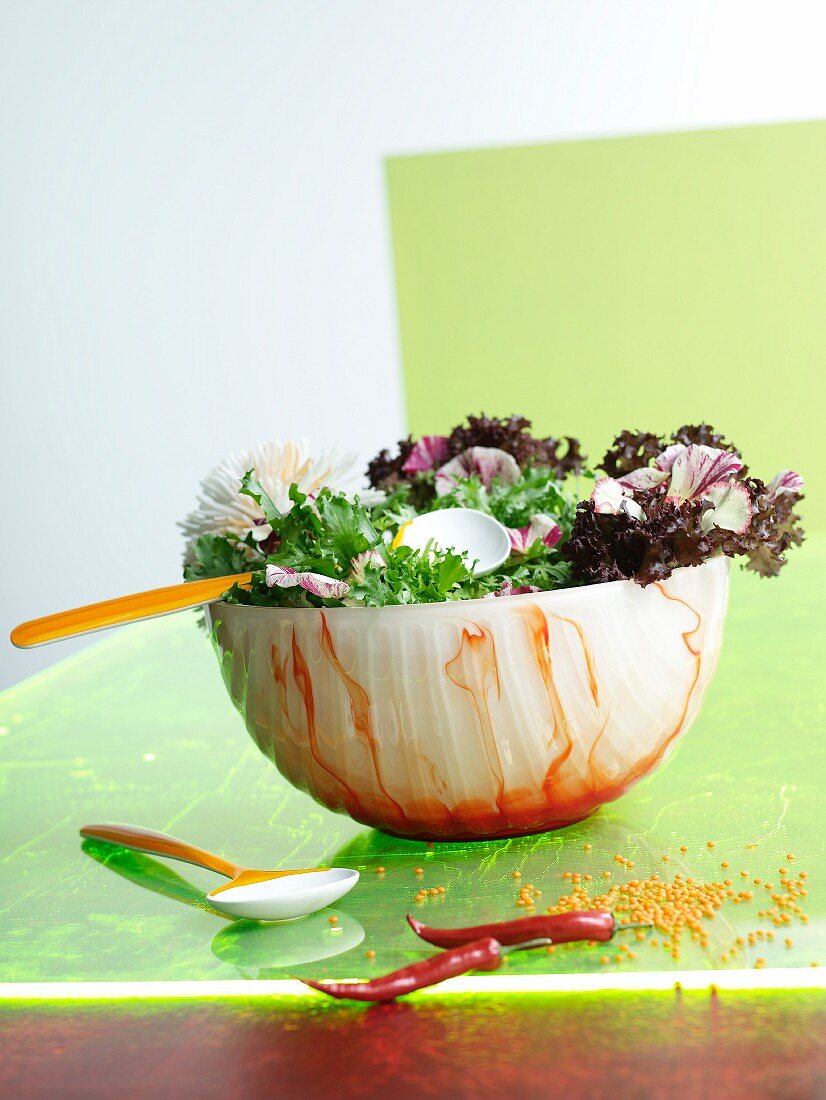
484 718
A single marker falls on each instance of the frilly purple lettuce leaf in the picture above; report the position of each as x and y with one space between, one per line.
561 456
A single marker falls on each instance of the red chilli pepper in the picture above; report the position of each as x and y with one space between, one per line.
481 954
594 924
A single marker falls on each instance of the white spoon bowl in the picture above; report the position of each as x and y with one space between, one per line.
482 538
284 898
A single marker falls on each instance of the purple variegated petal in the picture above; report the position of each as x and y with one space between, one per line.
361 561
666 459
508 589
647 477
427 454
610 498
544 527
732 509
698 468
279 576
519 539
324 587
486 463
786 481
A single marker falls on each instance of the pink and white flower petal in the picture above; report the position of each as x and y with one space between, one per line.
519 539
666 459
326 588
786 481
647 477
280 576
361 561
732 508
545 528
508 589
610 498
698 468
542 527
486 463
429 453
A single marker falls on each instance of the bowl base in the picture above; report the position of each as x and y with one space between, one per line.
498 834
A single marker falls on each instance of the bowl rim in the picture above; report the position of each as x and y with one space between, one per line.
456 604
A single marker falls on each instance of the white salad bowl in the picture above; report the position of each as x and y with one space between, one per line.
478 718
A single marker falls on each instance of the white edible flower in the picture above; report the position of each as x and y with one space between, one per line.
277 464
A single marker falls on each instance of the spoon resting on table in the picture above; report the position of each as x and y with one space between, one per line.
123 609
250 893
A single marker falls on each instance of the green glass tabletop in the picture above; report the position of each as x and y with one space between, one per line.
138 728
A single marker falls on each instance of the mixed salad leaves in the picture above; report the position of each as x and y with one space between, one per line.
652 505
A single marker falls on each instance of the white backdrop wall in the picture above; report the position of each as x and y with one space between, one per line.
194 248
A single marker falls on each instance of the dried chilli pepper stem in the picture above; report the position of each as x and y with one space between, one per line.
481 954
594 924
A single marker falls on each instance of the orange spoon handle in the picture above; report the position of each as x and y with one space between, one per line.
159 844
124 609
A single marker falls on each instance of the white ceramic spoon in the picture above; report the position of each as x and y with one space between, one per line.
256 895
464 530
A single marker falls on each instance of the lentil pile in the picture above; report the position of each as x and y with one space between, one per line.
680 907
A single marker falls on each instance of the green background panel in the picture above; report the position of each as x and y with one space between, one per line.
138 728
632 282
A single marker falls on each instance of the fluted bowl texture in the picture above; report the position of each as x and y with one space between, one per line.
479 718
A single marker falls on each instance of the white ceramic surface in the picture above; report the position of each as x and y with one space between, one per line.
284 898
480 718
465 530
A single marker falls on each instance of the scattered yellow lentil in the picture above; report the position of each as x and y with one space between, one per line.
333 920
370 954
710 844
419 870
587 847
380 870
516 874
